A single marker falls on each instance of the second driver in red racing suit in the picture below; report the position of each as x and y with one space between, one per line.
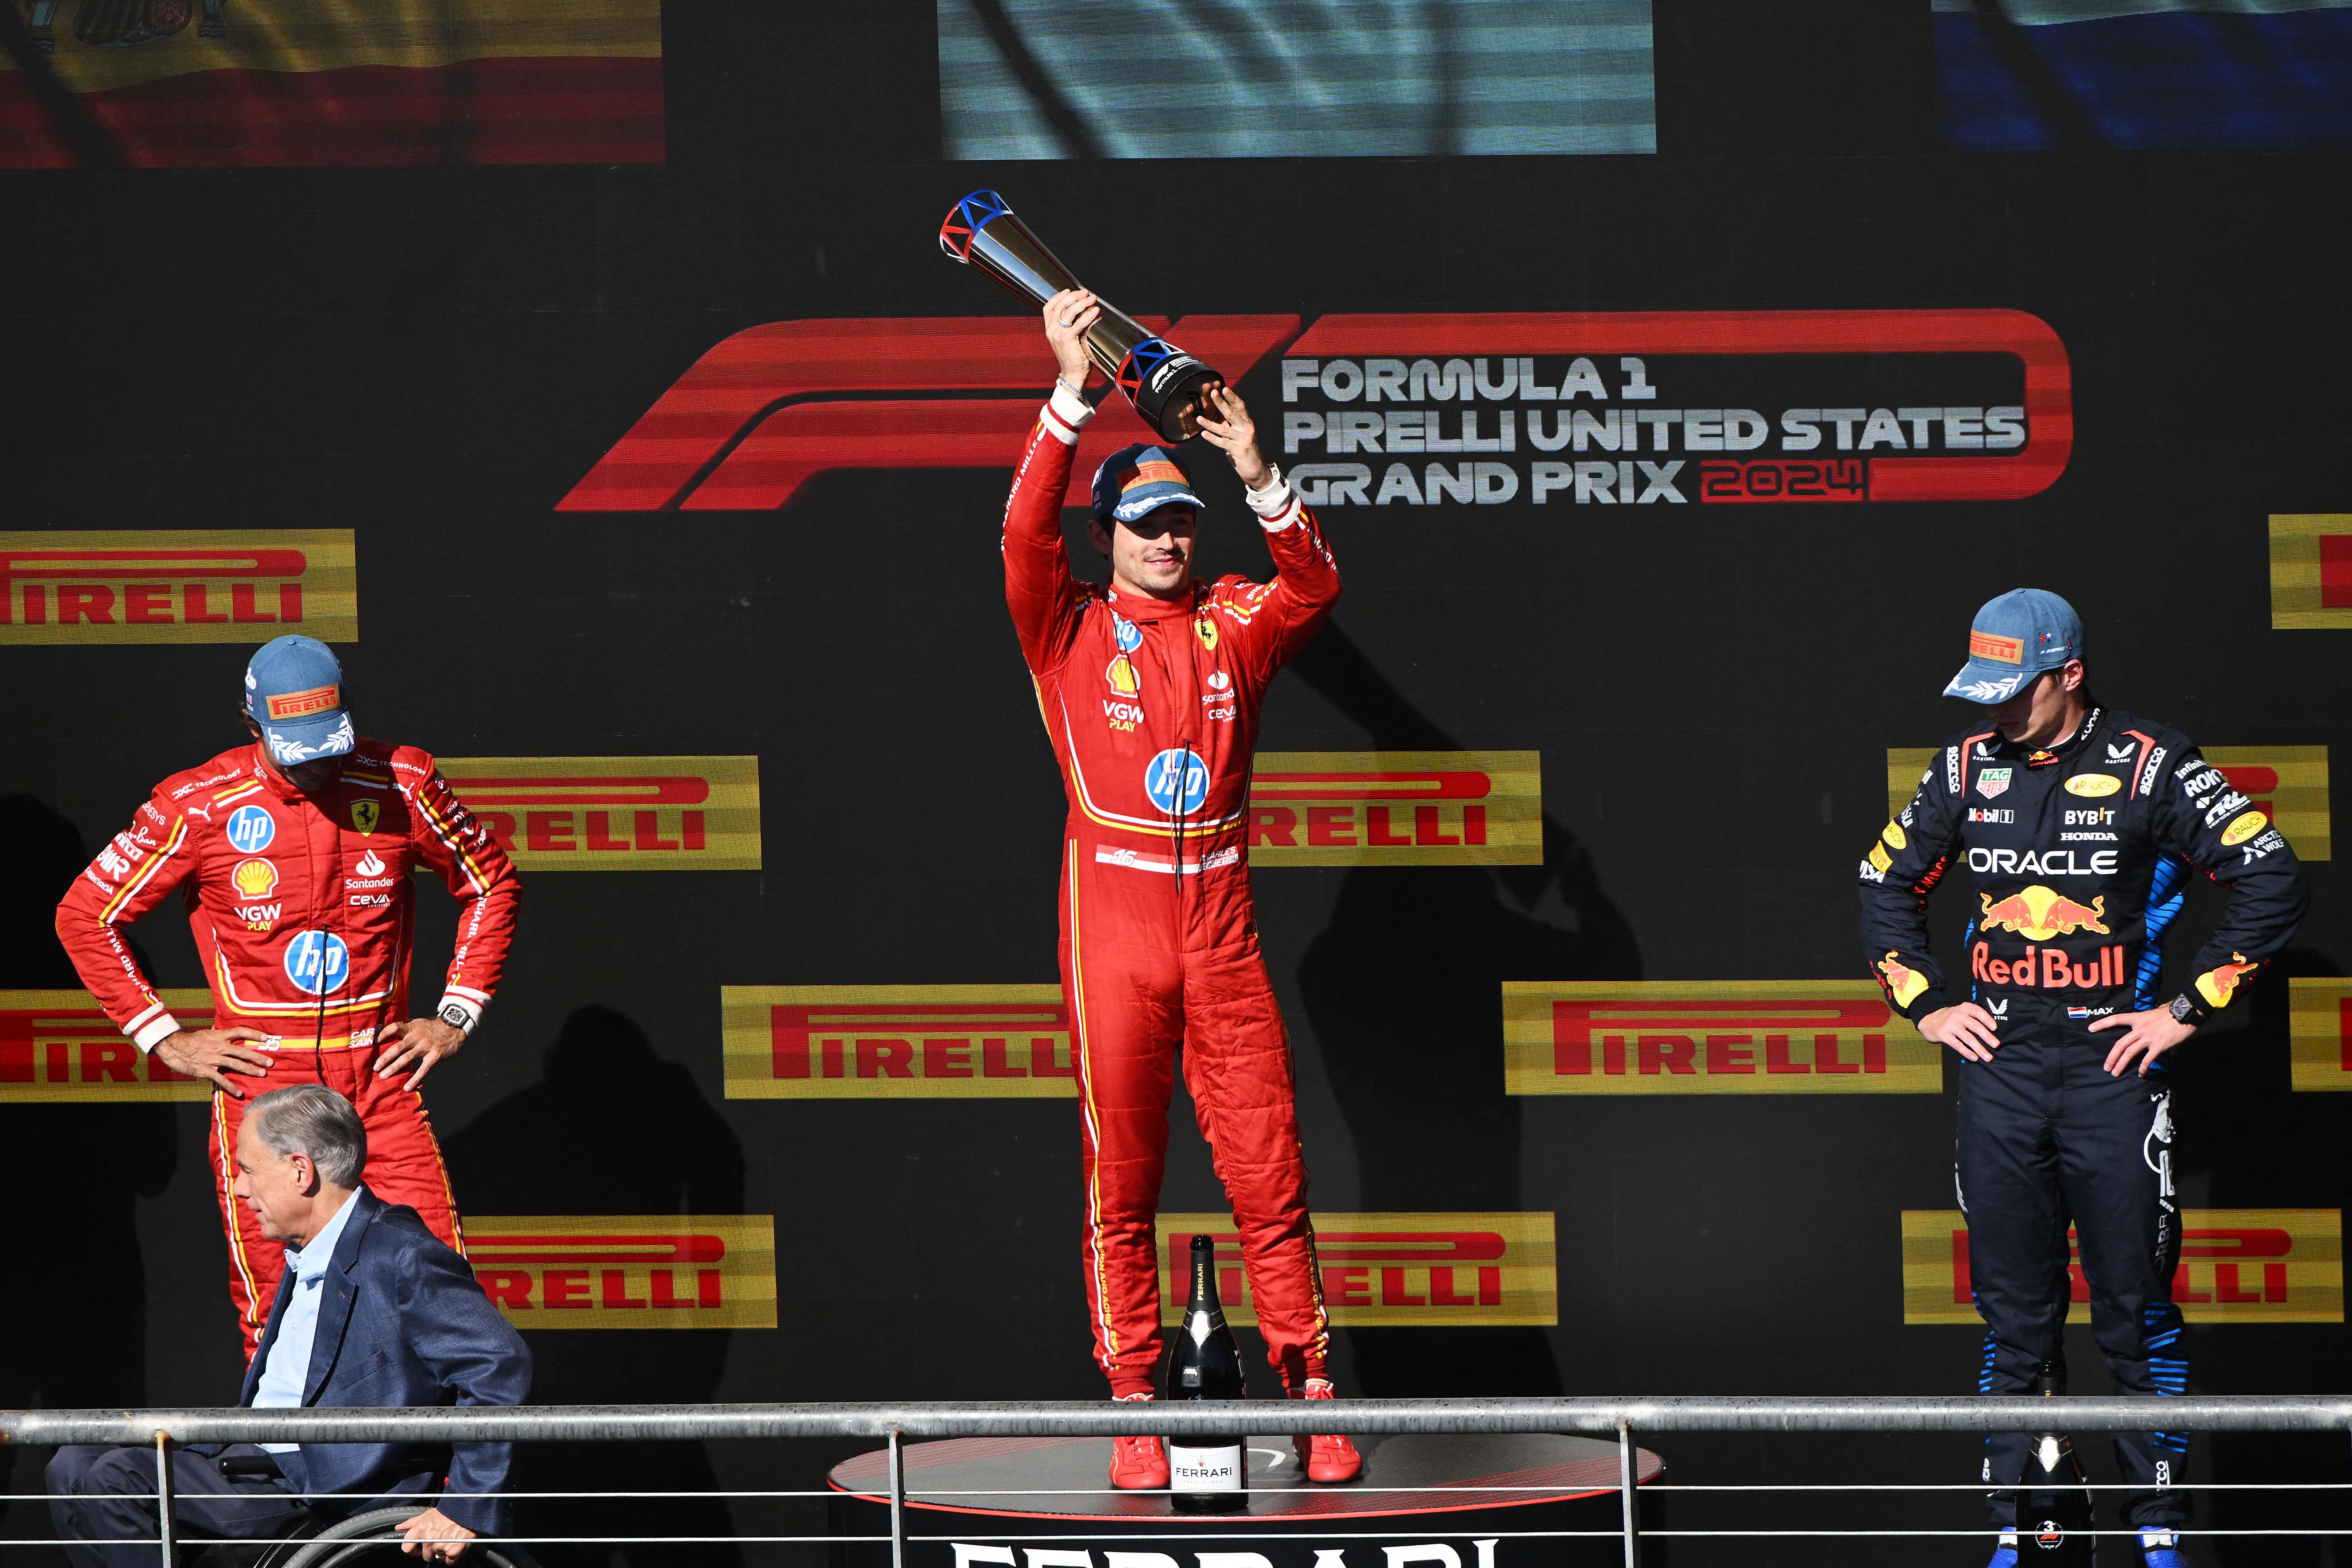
1150 688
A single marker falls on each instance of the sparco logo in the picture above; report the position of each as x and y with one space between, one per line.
1978 406
2237 1266
1679 1037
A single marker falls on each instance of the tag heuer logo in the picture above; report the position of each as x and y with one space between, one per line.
1991 782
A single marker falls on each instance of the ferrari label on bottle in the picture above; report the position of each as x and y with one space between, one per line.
1217 1470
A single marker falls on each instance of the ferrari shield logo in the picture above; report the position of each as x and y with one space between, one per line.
364 814
1206 630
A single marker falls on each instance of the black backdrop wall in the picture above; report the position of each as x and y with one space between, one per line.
433 357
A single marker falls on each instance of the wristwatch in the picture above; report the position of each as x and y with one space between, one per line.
457 1019
2185 1010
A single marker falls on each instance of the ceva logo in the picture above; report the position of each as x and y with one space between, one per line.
760 414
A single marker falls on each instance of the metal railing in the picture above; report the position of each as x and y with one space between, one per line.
895 1424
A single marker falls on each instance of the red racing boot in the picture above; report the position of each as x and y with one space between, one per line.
1327 1459
1139 1463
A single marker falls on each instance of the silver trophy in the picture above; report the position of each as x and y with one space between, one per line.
1160 379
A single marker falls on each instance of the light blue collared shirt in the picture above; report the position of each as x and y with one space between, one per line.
287 1366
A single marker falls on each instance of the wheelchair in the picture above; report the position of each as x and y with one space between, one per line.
368 1540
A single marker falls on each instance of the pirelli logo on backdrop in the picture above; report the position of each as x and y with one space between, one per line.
898 1042
2310 573
2237 1266
1389 1271
615 814
2286 783
61 1045
2319 1035
627 1272
1396 808
1710 1037
70 585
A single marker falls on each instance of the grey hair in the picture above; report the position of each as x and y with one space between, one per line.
313 1119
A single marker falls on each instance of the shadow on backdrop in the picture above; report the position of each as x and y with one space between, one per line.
83 1341
1407 983
613 1129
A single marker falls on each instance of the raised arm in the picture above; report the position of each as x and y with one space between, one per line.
1043 597
1283 614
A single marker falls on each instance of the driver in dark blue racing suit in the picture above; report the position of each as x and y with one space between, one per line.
2080 826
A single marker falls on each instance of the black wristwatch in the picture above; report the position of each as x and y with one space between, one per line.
2185 1010
457 1019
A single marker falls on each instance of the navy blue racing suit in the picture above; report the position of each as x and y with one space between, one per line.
2079 853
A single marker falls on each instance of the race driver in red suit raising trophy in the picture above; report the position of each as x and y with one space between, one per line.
1150 688
293 855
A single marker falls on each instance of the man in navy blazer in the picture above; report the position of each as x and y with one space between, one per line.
373 1310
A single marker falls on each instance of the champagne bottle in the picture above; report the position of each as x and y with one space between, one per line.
2053 1508
1207 1474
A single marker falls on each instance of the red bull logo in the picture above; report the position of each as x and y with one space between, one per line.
1903 982
2042 913
2218 987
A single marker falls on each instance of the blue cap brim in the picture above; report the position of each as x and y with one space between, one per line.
1151 498
1982 681
294 741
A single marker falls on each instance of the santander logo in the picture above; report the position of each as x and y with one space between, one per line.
369 865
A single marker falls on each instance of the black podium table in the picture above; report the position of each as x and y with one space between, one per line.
1423 1501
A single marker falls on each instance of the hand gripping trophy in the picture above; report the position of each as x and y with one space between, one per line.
1161 380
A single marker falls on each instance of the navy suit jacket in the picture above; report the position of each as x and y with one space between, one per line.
401 1321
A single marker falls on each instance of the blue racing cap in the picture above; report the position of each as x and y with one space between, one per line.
1136 479
294 690
2014 638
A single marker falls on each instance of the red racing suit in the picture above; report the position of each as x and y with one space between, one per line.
303 913
1152 708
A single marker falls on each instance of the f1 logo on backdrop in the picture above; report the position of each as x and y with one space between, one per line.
2237 1266
1711 1036
69 585
1396 808
1397 1271
61 1045
615 814
627 1272
2286 783
898 1042
1563 408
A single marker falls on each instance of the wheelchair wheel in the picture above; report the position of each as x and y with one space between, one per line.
374 1537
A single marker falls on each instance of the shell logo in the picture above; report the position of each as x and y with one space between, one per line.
1121 674
254 879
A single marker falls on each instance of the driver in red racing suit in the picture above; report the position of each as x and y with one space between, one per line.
1150 688
294 857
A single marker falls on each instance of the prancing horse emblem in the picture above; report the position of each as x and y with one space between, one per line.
364 814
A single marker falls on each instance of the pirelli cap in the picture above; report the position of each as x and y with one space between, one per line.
2014 638
294 690
1136 479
